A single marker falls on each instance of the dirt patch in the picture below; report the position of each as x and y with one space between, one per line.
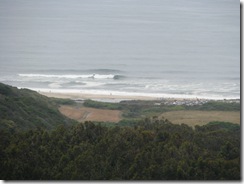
193 118
82 114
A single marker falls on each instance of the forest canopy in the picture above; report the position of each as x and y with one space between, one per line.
156 150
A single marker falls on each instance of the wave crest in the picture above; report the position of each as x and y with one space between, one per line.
93 76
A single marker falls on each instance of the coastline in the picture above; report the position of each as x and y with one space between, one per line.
79 96
81 113
98 97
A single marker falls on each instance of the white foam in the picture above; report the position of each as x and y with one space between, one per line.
94 76
93 84
55 85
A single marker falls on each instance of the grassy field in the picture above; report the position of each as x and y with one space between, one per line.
128 111
192 117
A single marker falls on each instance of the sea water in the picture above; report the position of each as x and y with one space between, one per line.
161 48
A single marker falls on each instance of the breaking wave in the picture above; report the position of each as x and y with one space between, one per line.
86 76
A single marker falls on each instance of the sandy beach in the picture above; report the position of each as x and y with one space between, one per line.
100 97
117 98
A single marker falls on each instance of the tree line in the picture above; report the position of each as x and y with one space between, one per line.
152 149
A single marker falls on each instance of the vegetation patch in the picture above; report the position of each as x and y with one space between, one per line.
102 105
152 150
23 109
197 117
192 115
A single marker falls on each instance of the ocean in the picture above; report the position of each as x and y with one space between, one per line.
161 48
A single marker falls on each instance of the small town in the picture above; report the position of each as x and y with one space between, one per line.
192 102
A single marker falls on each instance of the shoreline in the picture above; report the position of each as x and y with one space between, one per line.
118 98
99 97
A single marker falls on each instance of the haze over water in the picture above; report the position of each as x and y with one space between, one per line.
180 48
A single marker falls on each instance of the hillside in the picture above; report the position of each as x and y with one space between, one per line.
23 109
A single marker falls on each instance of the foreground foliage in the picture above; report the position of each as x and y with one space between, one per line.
151 150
